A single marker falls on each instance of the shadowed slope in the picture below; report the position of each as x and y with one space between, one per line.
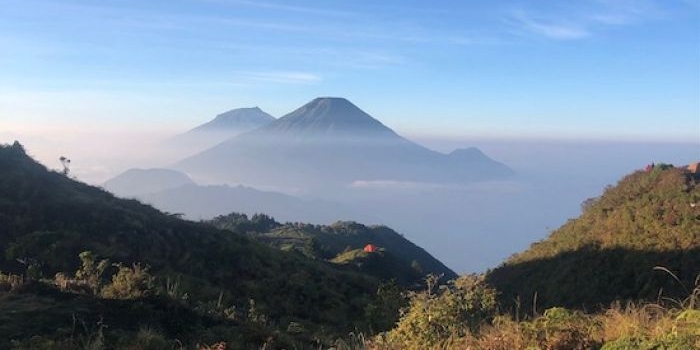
609 253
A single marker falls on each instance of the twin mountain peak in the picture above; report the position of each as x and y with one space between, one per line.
328 140
323 115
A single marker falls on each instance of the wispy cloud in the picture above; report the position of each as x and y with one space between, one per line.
586 18
279 77
555 30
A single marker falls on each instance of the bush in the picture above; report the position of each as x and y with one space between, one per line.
10 282
452 312
562 329
130 283
91 271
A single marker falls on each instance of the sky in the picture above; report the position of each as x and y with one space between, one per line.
583 69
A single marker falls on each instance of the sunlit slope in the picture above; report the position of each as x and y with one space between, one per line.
615 250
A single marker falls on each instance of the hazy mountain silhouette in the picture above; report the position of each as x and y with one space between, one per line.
222 127
134 182
330 141
205 202
175 192
328 117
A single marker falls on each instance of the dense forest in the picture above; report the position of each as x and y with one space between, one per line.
83 269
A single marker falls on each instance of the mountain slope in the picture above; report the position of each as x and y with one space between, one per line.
236 120
224 126
400 259
331 142
328 117
650 219
47 219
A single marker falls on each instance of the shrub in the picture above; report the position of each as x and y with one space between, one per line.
454 311
91 270
10 282
130 283
562 329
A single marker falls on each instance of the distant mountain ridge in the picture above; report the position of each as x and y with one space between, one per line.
135 182
174 192
238 120
330 141
223 127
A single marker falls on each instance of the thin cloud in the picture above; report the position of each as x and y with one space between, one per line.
568 22
550 29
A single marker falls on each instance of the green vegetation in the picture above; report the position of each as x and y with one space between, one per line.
342 243
620 276
75 254
461 317
610 252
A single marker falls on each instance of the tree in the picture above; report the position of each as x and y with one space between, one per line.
66 165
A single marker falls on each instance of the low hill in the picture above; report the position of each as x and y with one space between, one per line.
618 249
134 182
399 259
48 219
198 202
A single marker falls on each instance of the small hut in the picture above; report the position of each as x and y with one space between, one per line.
370 248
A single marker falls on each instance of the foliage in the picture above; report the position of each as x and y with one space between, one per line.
436 316
10 282
49 218
609 253
91 271
130 283
403 261
384 311
559 328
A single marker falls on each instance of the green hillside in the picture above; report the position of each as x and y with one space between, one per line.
615 250
225 279
399 260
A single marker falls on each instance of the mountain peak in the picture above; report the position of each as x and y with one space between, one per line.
325 116
239 118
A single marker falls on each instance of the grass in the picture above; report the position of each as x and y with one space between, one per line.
667 325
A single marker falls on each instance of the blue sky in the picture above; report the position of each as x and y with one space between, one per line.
588 69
